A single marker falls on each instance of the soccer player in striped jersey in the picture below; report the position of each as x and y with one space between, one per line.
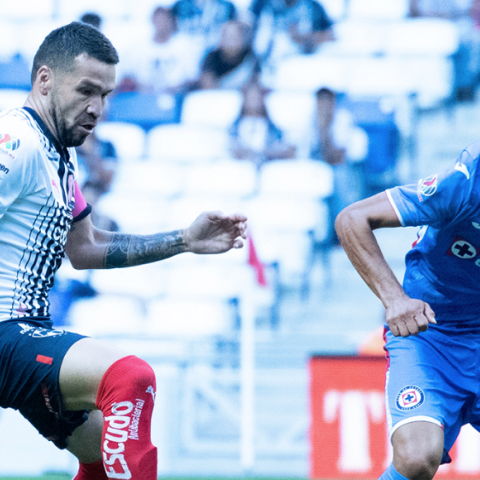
82 394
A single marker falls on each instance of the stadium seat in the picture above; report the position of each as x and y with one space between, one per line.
378 9
107 315
208 280
181 317
309 73
21 10
228 178
308 179
9 39
127 138
15 74
187 143
293 113
135 212
379 76
214 108
335 9
70 11
145 110
422 36
141 283
285 229
358 37
12 98
149 178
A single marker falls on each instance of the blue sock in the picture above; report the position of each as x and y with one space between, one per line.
391 474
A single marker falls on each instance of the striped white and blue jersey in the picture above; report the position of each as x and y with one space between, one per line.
443 267
37 203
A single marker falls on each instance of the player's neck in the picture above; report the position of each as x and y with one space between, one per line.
36 103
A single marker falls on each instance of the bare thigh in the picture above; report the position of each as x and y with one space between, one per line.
86 441
82 370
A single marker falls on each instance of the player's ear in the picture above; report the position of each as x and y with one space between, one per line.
44 80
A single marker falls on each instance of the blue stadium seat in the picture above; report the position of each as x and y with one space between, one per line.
15 74
145 110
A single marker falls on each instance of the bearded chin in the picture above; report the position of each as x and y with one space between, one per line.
65 135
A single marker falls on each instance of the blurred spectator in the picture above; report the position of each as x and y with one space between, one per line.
286 27
253 135
233 62
165 65
466 59
203 18
92 19
97 162
343 145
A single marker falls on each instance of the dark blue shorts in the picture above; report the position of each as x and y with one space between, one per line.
31 353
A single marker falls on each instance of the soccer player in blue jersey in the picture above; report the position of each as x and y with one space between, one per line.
433 321
82 394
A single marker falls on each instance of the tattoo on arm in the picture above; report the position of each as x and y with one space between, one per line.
129 250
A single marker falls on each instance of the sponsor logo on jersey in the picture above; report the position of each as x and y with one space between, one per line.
427 187
4 169
460 248
9 142
409 398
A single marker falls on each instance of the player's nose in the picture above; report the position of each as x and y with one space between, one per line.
95 107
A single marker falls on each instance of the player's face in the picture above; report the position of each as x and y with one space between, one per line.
78 98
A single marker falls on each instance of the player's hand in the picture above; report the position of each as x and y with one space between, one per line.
409 316
214 232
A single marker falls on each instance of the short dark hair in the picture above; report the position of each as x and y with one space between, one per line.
92 18
63 45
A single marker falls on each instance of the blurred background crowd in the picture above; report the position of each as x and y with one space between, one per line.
286 110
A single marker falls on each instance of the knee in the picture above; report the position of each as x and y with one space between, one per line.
140 372
418 461
128 378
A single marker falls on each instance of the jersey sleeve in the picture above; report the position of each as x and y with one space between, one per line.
437 199
82 208
18 157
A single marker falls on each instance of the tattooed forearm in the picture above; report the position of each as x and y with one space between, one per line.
129 250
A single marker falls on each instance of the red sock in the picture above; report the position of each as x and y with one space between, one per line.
126 397
91 471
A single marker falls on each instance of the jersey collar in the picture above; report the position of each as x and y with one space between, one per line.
58 146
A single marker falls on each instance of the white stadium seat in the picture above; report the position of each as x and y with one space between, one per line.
215 108
187 143
128 139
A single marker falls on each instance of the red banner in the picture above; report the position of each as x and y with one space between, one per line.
348 432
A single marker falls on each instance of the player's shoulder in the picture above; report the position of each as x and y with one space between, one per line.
19 133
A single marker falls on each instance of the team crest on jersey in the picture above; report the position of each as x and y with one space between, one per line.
409 398
9 142
39 332
427 187
460 248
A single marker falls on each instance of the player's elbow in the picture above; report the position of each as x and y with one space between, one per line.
77 261
345 220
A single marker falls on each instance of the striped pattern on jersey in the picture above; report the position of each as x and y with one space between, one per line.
34 228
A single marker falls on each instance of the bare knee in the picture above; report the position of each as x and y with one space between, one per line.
418 449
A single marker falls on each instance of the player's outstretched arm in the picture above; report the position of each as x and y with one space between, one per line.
210 233
354 225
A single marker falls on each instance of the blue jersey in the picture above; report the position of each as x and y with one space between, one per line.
443 267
